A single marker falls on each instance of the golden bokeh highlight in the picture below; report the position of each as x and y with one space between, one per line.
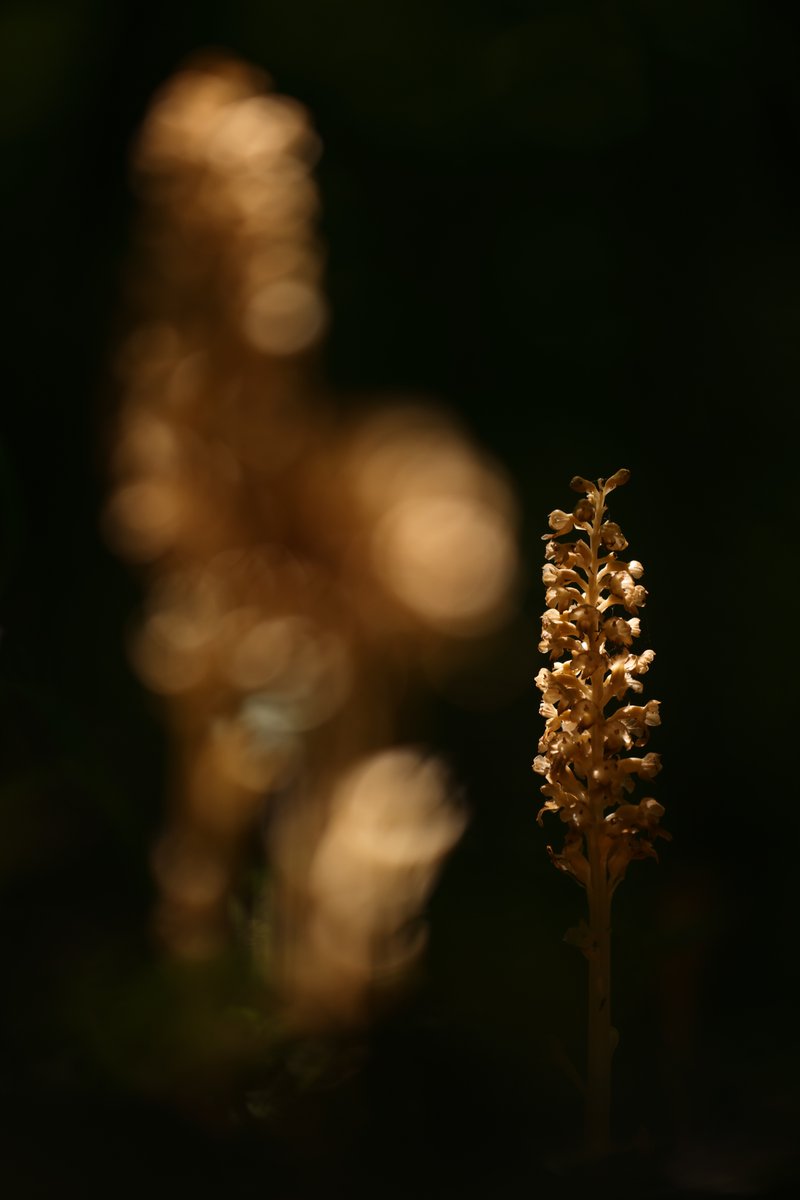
294 564
390 822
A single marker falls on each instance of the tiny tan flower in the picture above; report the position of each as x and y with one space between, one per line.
612 537
561 522
620 631
639 664
587 661
562 597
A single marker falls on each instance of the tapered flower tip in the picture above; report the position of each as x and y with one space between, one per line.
618 479
579 484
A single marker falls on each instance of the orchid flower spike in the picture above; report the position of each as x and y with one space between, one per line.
593 746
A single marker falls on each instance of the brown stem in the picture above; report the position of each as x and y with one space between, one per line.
599 1048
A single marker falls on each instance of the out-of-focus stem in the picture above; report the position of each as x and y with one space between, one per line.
598 1090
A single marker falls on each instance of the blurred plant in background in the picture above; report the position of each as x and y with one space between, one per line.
295 564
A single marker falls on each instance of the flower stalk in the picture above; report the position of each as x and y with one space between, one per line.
587 753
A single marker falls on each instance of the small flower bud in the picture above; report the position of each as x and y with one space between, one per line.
583 512
579 484
618 479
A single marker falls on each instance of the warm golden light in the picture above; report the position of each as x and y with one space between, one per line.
291 563
451 560
189 873
146 518
283 317
441 521
391 822
394 811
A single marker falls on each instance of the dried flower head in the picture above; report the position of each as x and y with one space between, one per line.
589 753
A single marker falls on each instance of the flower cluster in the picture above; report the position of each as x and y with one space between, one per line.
590 752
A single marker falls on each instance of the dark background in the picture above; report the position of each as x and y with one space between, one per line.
578 226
